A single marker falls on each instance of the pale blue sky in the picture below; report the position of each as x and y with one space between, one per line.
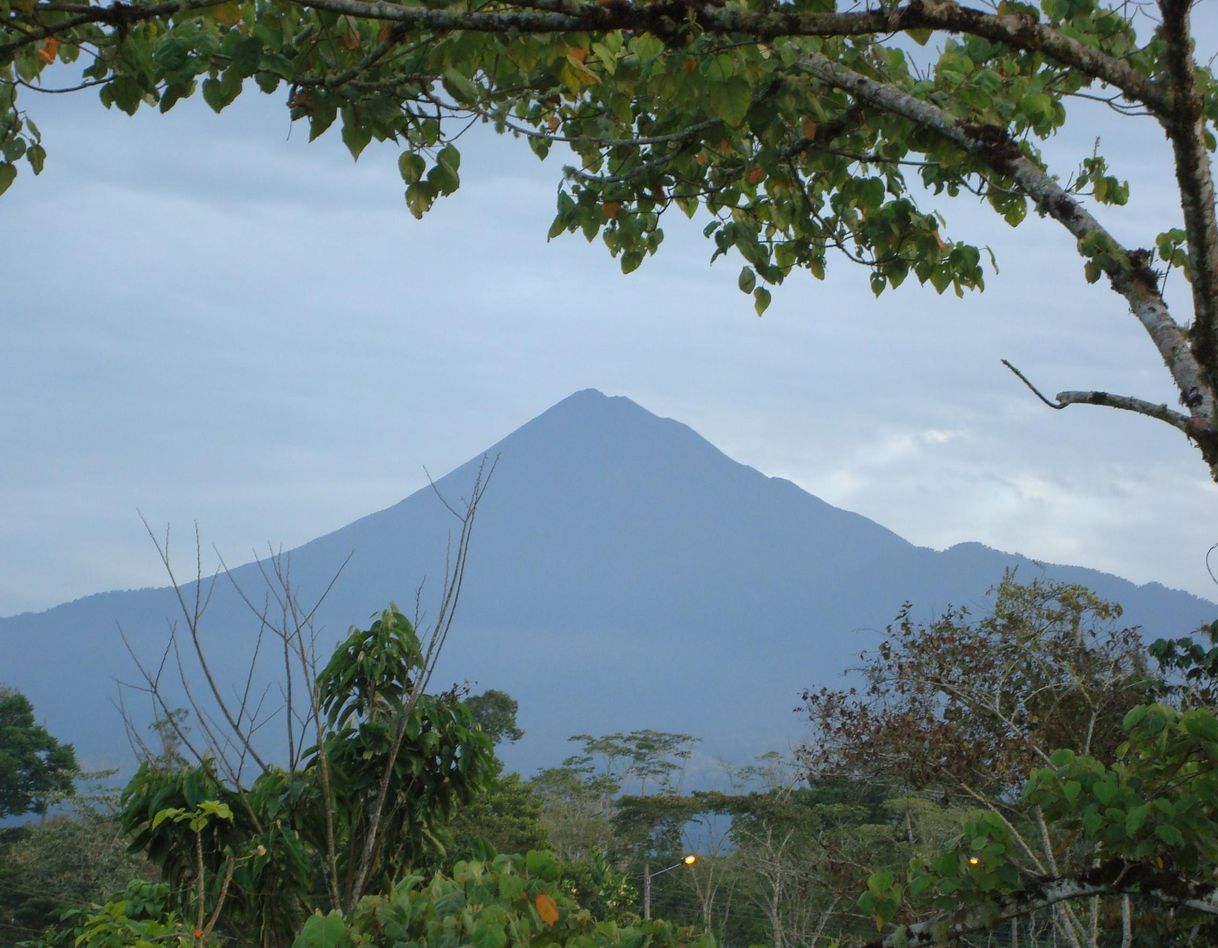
211 322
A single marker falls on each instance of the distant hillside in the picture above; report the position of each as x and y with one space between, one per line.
625 574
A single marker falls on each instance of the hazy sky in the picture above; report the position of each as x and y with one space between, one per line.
209 320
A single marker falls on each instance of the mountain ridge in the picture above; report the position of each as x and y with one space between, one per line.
620 559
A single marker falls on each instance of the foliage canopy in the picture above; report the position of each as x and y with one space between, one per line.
34 767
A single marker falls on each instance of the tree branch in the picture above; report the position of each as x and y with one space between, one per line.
1111 877
993 146
1020 31
1124 402
1185 126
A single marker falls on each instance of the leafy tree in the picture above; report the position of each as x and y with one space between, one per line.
1149 820
372 768
963 710
140 917
390 770
580 797
650 757
577 808
74 858
600 887
799 129
495 712
507 814
972 706
1190 669
34 767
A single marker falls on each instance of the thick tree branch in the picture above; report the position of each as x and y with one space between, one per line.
1125 270
1124 402
118 15
1019 31
1185 126
1128 403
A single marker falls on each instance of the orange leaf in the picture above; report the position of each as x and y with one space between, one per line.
809 129
49 50
553 123
579 55
755 175
610 209
547 908
352 39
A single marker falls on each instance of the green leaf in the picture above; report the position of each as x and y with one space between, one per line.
411 166
871 193
356 133
880 882
323 931
126 93
730 100
747 280
647 47
450 158
169 813
247 54
220 93
460 87
1135 818
761 300
1134 717
419 198
1169 834
543 865
489 936
1202 724
1105 791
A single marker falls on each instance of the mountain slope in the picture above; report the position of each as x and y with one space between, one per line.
624 574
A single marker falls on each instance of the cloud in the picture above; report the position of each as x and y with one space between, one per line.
218 323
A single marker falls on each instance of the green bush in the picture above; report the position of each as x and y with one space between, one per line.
516 900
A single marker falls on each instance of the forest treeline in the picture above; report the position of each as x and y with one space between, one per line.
1037 774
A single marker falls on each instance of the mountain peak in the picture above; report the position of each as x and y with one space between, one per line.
619 558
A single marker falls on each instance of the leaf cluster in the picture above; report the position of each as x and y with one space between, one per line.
517 900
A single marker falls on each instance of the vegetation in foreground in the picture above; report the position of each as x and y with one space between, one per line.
1036 771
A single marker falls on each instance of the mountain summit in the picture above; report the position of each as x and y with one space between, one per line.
624 574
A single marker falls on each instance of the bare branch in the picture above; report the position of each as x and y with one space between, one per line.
454 576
